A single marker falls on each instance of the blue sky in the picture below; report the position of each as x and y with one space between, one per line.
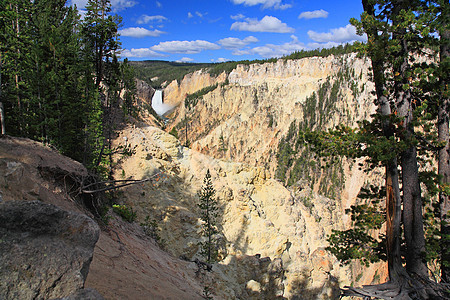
222 30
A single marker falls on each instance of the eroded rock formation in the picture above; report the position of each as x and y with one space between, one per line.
45 252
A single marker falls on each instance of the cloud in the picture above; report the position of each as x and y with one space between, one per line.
199 14
235 43
238 17
338 35
190 15
271 50
81 4
141 52
313 46
220 60
116 5
185 60
267 24
145 19
158 4
139 32
187 47
315 14
265 3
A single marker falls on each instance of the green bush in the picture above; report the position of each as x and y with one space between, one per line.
151 229
174 132
125 212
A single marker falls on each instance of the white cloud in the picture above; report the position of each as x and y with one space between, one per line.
117 5
141 52
315 14
220 60
190 15
199 14
158 4
185 60
238 17
235 43
145 19
271 50
265 3
139 32
187 47
81 4
313 46
267 24
338 35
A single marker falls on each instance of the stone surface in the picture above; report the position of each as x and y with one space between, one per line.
45 252
259 217
254 111
84 294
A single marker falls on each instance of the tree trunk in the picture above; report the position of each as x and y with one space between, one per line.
444 156
412 199
393 200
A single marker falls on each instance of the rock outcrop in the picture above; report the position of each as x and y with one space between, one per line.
126 265
175 91
45 252
246 120
271 238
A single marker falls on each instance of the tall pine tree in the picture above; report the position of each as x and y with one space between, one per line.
208 214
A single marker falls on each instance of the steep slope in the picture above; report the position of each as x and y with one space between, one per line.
272 239
126 265
265 104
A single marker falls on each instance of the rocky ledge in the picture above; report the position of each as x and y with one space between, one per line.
45 252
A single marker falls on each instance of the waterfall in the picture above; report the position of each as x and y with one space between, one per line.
158 105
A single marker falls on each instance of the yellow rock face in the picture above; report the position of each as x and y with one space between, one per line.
258 216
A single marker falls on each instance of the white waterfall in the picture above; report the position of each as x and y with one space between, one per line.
158 105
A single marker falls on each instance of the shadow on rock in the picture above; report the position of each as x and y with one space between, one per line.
45 252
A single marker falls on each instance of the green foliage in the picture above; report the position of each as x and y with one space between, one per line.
151 228
399 33
323 52
296 156
358 242
164 71
222 144
208 214
129 85
51 66
270 117
174 132
125 212
207 293
192 99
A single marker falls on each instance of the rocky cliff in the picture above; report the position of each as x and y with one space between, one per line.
272 239
47 238
246 119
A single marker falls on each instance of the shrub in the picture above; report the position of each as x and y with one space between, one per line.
151 229
124 212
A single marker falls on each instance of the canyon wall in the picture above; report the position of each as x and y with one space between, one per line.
272 238
246 119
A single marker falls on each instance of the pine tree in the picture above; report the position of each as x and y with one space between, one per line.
208 207
400 137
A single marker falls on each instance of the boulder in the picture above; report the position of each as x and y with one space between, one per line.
45 252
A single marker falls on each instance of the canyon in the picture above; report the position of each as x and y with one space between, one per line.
234 131
272 232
